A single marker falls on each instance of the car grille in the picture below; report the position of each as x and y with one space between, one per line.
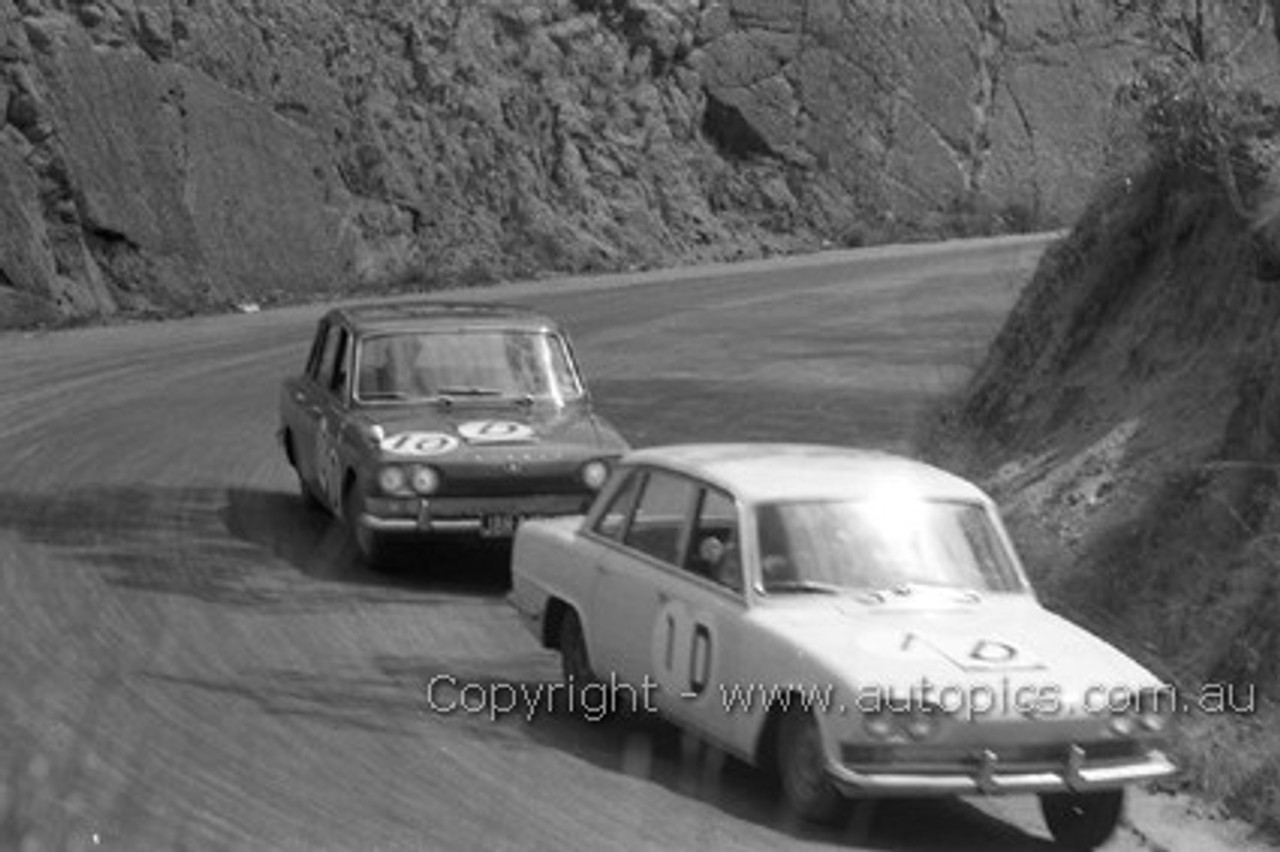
510 479
926 759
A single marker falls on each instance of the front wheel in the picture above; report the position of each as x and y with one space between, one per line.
310 501
370 545
802 770
1082 821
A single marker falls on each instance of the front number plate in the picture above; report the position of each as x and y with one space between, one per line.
498 526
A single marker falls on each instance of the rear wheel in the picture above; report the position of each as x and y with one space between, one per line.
802 771
1082 821
370 545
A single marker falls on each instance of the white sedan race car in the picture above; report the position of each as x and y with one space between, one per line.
855 621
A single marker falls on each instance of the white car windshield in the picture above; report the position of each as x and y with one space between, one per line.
882 545
408 367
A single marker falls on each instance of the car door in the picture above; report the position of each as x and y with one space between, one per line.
641 547
332 411
304 402
698 643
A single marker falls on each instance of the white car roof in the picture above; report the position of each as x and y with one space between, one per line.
762 473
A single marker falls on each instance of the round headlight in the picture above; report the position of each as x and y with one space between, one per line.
879 725
920 726
425 479
1122 725
1153 721
392 479
594 474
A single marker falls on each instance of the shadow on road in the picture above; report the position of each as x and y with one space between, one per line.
315 544
237 547
428 696
422 698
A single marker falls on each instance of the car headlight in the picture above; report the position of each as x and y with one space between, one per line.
880 725
911 722
1154 709
425 480
1145 711
594 474
392 479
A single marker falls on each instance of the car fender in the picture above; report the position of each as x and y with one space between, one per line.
546 565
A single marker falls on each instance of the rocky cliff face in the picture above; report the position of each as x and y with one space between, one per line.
165 156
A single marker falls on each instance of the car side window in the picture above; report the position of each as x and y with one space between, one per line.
317 350
662 517
613 521
322 369
338 380
714 551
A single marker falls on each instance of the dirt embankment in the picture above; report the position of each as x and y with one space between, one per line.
164 157
1128 418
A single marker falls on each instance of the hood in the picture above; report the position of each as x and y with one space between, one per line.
1005 644
473 428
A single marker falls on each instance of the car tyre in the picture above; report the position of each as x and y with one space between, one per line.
310 501
370 545
802 771
1081 821
575 660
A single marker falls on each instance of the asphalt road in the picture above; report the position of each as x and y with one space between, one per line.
193 662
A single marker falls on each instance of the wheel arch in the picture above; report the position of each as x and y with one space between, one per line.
286 438
765 753
556 610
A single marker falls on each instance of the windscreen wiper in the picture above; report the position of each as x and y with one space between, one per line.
803 586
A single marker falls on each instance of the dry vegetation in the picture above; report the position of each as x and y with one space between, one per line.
1128 414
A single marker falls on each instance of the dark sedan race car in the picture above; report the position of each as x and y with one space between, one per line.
442 418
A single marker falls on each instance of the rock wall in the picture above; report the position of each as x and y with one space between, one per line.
165 156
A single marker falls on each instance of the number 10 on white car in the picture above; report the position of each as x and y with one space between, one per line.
682 652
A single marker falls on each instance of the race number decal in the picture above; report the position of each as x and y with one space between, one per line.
494 431
985 654
418 443
683 652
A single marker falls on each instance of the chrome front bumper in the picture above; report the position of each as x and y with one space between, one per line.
471 515
991 779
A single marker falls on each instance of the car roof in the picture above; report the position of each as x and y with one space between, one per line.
764 472
439 315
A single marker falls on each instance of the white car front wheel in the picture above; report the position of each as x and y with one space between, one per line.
802 769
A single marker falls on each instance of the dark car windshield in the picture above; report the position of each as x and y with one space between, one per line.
413 366
882 545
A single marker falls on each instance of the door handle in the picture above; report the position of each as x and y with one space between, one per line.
299 396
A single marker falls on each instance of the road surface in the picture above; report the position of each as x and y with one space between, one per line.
193 662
